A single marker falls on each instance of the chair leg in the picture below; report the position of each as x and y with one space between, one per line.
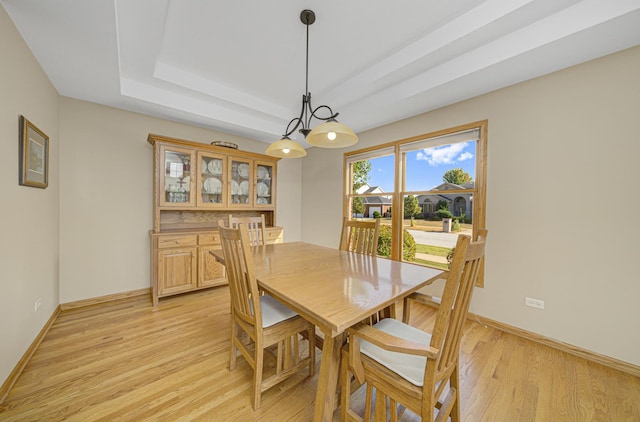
368 403
345 399
288 355
279 358
232 355
454 382
406 311
312 350
446 406
257 375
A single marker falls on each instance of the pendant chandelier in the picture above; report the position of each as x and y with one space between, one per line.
330 134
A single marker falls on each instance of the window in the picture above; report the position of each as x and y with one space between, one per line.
437 184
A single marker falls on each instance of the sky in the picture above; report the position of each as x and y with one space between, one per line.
425 167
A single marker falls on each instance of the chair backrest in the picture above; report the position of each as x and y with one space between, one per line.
238 263
454 306
360 236
255 225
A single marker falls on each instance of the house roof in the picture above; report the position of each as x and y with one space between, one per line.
453 186
374 200
432 198
374 189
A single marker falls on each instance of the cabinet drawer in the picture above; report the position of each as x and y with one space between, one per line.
175 241
212 238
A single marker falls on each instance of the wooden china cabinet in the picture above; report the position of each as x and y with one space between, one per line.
195 185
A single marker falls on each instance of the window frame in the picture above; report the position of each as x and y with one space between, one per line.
479 191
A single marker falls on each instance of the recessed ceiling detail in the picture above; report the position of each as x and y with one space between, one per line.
238 67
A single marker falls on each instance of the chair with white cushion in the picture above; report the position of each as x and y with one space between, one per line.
256 226
407 365
360 236
260 325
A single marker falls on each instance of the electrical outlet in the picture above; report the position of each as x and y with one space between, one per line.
37 305
534 303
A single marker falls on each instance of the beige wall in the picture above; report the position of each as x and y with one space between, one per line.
562 201
86 235
28 216
106 196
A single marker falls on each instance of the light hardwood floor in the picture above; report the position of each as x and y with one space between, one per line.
129 361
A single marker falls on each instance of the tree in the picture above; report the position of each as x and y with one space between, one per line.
360 170
411 207
456 176
358 206
384 243
443 213
442 205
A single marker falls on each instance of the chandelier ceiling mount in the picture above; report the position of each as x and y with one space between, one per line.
330 134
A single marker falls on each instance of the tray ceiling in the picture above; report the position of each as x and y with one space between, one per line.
238 67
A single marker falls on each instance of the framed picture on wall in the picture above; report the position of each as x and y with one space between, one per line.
34 155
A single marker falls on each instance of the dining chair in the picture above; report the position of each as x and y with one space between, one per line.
260 325
360 236
407 365
256 226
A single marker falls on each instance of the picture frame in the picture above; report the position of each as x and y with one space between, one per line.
34 155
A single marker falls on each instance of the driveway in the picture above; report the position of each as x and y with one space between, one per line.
445 240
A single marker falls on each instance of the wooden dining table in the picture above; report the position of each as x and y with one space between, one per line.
334 290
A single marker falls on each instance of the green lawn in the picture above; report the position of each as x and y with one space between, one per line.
432 250
424 225
432 264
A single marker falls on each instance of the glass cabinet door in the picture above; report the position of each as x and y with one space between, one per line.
211 188
240 190
176 178
265 194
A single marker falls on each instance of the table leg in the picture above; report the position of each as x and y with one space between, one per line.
328 378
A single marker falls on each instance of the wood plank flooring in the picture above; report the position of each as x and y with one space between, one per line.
129 361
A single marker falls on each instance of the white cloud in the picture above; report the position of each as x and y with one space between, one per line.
465 156
446 154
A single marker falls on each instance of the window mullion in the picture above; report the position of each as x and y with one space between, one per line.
396 206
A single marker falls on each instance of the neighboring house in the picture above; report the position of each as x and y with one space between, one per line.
382 204
458 203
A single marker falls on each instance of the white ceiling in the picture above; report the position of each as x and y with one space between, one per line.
238 66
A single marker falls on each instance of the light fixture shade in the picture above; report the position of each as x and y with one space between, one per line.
344 136
292 148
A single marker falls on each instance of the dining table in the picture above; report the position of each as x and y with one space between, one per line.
333 289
